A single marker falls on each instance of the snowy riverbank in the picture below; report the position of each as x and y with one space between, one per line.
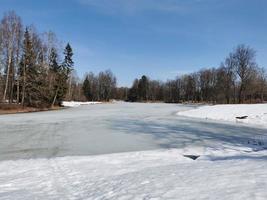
79 103
158 174
256 113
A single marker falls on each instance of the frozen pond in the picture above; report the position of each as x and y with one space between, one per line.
111 128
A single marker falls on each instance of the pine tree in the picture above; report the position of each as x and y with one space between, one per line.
34 86
54 69
60 78
53 63
87 89
27 67
133 92
143 88
68 65
68 62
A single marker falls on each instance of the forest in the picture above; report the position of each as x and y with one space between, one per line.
37 70
238 79
32 73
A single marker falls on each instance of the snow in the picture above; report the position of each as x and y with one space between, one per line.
257 113
78 103
158 174
129 151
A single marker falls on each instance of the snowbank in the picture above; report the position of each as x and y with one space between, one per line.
159 174
77 103
256 113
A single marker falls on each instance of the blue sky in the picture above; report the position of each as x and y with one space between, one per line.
159 38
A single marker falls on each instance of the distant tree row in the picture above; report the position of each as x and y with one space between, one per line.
101 87
238 80
31 70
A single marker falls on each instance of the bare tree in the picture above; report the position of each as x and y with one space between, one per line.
18 53
11 29
244 63
101 87
226 80
261 81
1 65
207 79
107 82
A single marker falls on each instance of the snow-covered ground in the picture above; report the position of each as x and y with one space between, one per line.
158 174
256 113
56 155
78 103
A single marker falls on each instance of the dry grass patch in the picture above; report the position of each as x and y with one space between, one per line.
16 108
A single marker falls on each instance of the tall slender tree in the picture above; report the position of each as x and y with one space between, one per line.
27 66
68 66
60 74
54 69
87 89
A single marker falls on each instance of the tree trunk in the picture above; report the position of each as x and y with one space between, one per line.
7 75
69 88
18 75
18 91
240 94
11 88
262 93
23 85
55 97
12 84
228 100
50 82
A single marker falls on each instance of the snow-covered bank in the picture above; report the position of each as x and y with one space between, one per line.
78 103
159 174
256 113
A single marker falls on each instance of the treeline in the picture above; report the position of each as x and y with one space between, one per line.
238 80
32 72
101 87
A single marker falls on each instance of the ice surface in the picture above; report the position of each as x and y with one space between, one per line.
112 128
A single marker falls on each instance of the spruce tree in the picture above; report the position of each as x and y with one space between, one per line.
60 78
87 89
27 69
53 63
133 92
68 66
55 70
68 62
143 88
